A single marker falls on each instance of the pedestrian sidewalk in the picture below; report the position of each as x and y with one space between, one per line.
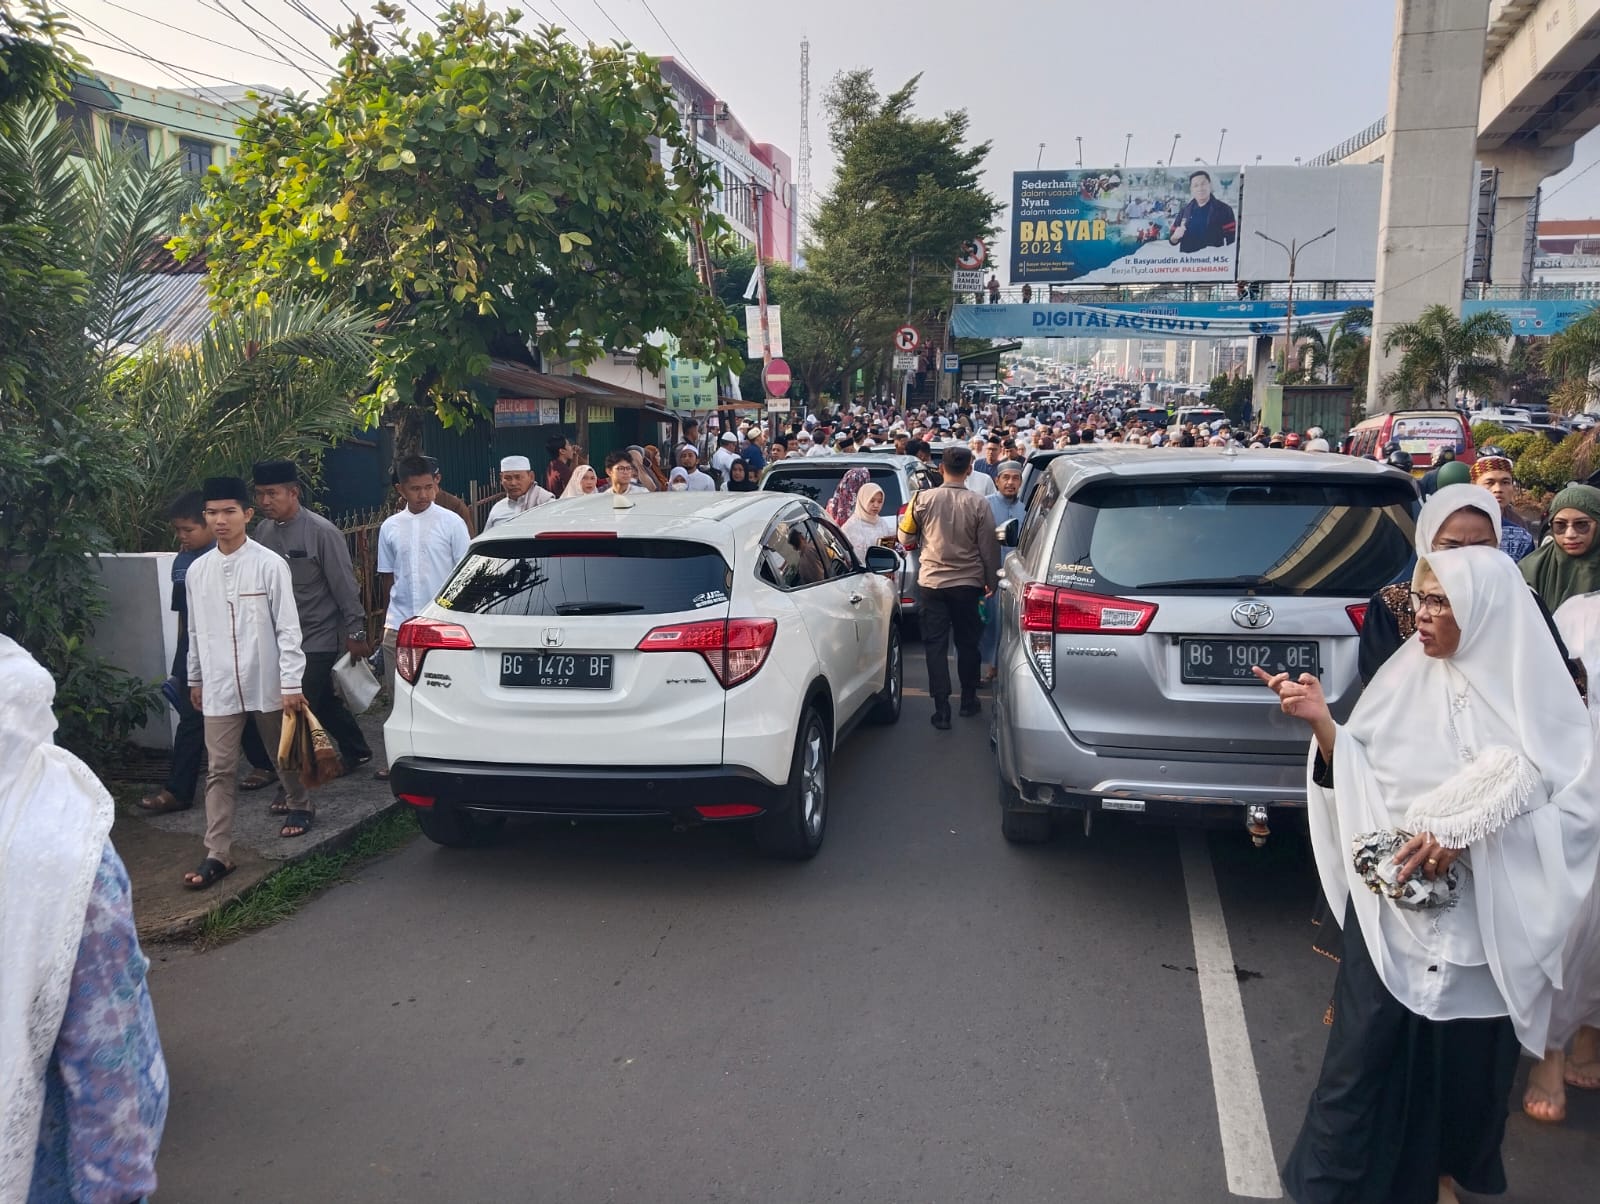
159 849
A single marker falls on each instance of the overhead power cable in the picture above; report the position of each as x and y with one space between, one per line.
670 38
183 77
274 25
255 33
190 33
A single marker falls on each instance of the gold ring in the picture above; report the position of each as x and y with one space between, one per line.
1433 861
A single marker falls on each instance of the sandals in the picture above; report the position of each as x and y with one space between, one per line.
300 821
209 872
162 802
258 779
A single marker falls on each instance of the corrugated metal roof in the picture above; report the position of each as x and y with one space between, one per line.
177 309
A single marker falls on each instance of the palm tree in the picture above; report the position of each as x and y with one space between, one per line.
1575 351
1336 353
1441 353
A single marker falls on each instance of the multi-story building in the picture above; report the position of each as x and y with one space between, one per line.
198 126
758 195
1567 255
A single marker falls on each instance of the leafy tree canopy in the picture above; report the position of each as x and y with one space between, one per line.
482 188
1440 353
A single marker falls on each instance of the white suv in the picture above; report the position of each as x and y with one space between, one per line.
694 656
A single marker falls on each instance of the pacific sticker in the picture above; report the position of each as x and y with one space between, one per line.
714 597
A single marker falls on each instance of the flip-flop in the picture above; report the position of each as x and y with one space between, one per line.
381 774
297 819
210 872
162 802
258 779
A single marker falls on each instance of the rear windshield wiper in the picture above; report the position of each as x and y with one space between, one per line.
1259 584
597 608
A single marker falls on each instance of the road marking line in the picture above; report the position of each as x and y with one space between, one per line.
1246 1142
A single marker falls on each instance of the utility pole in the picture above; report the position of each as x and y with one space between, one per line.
911 294
1292 250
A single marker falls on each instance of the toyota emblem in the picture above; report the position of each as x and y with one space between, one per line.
1254 615
553 637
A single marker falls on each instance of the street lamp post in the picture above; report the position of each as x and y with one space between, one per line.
1292 250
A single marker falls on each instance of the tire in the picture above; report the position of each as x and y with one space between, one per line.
456 829
795 832
887 709
1018 826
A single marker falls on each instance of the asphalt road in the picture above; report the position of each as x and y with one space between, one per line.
923 1013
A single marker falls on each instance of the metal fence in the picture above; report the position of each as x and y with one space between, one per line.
361 537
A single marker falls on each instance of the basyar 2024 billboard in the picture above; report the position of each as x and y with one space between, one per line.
1133 225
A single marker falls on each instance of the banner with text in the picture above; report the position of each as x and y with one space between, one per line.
1138 225
1140 320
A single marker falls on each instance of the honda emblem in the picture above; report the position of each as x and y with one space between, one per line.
553 637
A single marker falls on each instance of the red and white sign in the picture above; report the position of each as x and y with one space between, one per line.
776 377
907 339
973 254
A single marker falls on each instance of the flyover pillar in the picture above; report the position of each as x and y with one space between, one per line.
1426 210
1521 171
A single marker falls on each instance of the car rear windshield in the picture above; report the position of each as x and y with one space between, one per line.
1425 434
1334 538
587 577
820 483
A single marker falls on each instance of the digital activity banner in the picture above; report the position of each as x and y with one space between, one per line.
1142 320
1138 225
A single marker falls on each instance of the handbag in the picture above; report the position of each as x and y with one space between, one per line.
1373 854
355 682
306 748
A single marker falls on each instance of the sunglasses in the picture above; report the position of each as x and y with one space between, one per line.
1578 526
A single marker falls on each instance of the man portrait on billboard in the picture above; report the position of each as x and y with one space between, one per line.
1205 221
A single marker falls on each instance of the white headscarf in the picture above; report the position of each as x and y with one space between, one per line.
575 482
861 528
1438 508
1507 698
55 817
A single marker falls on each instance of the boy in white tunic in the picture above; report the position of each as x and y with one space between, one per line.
418 548
245 664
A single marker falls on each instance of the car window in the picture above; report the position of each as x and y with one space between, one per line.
1334 538
836 553
821 482
1425 434
1038 516
789 555
587 576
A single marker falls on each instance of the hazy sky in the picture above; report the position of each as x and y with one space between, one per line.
1284 77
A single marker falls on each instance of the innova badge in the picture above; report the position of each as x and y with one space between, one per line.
1253 615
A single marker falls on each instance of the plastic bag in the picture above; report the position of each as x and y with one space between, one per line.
307 749
355 683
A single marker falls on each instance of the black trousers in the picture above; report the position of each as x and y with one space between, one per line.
327 706
953 610
189 742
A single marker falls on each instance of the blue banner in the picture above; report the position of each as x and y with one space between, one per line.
1533 317
1138 319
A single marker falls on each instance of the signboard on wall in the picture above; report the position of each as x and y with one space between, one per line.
1294 205
691 385
1132 225
752 326
526 411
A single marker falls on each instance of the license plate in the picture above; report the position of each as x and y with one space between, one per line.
1229 662
556 670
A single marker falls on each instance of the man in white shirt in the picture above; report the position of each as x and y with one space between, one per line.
620 473
245 665
689 461
727 452
522 495
418 548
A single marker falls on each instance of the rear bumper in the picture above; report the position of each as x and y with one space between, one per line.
581 792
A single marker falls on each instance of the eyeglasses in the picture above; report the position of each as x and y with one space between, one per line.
1429 604
1578 526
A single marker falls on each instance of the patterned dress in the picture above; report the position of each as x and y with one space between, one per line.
105 1095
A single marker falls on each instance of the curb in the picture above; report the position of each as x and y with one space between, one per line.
184 930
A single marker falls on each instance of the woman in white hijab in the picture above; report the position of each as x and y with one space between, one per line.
1472 738
582 483
867 525
83 1086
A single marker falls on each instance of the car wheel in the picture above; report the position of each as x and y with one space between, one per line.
1019 826
456 829
795 832
887 709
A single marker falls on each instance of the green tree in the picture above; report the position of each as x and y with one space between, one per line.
1440 353
906 193
480 187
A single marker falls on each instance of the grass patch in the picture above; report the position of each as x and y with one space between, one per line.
286 891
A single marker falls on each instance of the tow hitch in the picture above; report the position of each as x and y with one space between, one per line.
1255 822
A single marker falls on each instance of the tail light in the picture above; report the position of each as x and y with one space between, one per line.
1358 615
415 639
1047 610
735 649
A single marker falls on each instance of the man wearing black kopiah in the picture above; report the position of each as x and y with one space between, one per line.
1204 221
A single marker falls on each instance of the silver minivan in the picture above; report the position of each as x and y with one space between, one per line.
1145 586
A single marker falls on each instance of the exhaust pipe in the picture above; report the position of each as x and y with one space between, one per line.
1255 822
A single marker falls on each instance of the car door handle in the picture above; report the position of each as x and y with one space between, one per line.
1005 585
856 599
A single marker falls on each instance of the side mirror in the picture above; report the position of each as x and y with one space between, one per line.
882 560
1008 532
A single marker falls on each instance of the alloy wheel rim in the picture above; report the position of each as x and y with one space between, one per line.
894 671
813 781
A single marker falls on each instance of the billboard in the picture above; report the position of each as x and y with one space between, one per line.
1295 204
1132 225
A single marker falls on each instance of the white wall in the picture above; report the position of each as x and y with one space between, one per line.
139 632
